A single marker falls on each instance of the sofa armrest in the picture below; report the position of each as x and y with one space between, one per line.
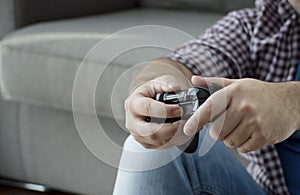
19 13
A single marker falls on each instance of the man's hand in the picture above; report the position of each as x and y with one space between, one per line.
257 113
141 104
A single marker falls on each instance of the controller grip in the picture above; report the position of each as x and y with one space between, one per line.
182 98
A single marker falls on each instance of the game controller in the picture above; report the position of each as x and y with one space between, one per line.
189 99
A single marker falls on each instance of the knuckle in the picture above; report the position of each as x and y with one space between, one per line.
246 108
244 149
258 122
154 136
143 142
128 104
255 123
229 143
147 146
252 122
137 138
166 77
237 88
260 136
153 83
148 105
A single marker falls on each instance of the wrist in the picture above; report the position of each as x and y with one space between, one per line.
291 93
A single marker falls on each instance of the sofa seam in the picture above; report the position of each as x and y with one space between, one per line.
42 103
53 106
45 55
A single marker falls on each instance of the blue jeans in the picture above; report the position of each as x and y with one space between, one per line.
216 172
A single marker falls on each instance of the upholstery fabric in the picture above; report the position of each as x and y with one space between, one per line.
54 154
7 21
32 11
201 5
17 13
11 159
39 63
215 5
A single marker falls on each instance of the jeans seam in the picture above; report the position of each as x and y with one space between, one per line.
209 189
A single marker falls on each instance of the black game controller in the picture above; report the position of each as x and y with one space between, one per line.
189 99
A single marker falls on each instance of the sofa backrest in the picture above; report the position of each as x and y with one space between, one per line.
18 13
201 5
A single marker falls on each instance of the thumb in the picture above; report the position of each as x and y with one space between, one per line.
203 81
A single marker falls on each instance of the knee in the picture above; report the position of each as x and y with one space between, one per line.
132 145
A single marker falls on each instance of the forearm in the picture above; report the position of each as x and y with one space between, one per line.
159 67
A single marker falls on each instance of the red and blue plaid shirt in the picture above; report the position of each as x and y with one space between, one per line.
261 43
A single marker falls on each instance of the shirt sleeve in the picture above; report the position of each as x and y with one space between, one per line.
223 51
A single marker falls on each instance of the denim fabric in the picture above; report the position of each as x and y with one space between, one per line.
217 172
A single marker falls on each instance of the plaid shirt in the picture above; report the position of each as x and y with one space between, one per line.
261 43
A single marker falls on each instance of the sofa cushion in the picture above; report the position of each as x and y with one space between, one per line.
32 11
17 13
203 5
39 63
54 155
215 5
7 21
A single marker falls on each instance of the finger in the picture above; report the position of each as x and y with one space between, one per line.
238 136
253 143
169 83
179 138
176 141
199 81
166 132
225 123
160 137
210 109
145 144
203 81
164 83
151 143
144 106
138 126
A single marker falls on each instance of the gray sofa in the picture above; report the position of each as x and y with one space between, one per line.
42 46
